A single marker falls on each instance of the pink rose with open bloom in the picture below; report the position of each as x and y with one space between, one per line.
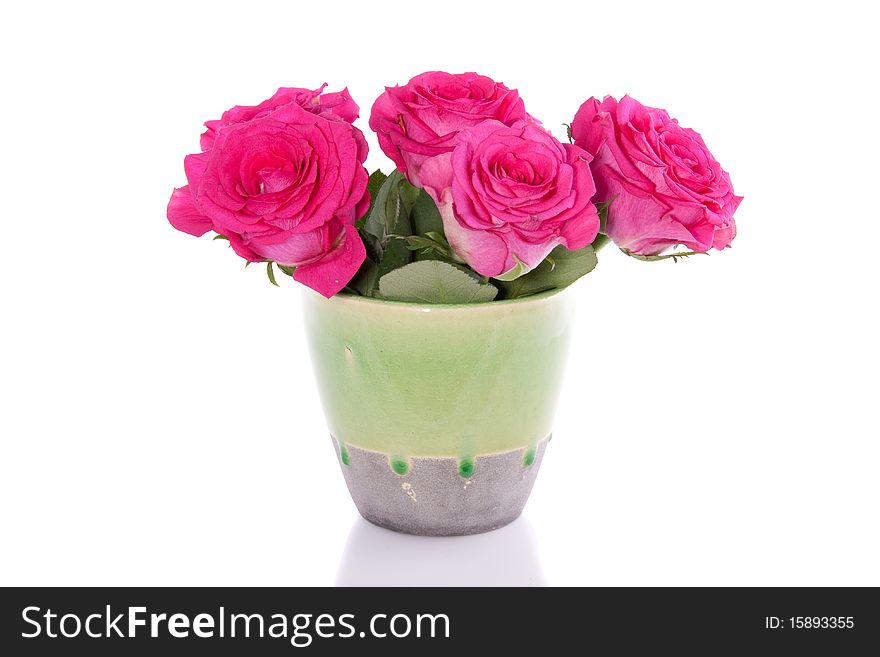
421 119
509 194
333 105
666 187
283 183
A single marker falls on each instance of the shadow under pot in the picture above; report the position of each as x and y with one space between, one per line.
439 414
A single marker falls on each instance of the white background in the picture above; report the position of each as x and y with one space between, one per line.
159 422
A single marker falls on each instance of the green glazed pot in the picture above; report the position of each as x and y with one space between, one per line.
439 414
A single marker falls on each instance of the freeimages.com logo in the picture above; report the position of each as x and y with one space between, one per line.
299 629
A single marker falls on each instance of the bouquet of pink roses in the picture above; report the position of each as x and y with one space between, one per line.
485 203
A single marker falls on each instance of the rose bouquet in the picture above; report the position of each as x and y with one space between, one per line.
484 205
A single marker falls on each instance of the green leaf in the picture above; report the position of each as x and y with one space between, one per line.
602 211
425 215
675 256
408 194
364 282
431 246
392 202
396 254
568 132
520 269
417 242
373 186
286 269
432 281
271 273
427 223
390 216
560 269
600 241
372 245
221 237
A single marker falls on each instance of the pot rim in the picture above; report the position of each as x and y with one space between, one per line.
356 299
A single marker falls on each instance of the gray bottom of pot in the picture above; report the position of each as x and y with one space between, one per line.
440 496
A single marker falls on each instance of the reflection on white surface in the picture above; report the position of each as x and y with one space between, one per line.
378 557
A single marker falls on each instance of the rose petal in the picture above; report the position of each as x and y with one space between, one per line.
436 175
298 249
242 249
183 214
724 236
333 272
482 250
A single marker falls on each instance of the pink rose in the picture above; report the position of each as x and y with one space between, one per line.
285 185
667 187
421 119
335 105
509 194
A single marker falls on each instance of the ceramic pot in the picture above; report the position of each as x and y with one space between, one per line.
439 414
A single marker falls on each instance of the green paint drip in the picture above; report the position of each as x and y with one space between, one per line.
529 458
399 465
343 454
466 467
